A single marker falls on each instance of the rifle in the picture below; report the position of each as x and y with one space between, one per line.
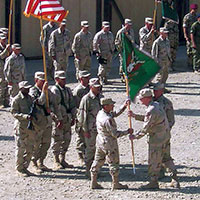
32 113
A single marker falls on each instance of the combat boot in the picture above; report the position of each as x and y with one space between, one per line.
37 170
81 158
87 172
57 164
153 184
64 163
116 185
22 173
42 166
94 184
175 182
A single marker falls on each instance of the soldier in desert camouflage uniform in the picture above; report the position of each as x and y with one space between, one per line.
156 126
106 143
188 20
4 52
82 48
60 47
14 70
86 116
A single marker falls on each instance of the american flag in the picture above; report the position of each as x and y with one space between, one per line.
50 10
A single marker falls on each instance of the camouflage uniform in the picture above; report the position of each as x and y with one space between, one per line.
86 116
4 97
82 48
14 70
118 43
67 112
188 20
78 94
103 43
173 37
195 30
161 53
47 30
60 47
20 108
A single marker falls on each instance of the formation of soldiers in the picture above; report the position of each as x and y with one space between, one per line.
45 112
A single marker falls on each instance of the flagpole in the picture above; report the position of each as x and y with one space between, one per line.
130 125
10 21
154 16
44 61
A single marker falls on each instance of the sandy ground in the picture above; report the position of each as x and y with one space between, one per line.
72 183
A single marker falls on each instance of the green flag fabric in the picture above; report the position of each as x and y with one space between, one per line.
138 67
169 10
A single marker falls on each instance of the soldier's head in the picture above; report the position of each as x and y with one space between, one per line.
128 24
60 78
149 22
16 48
107 104
193 8
95 86
63 25
24 87
85 26
39 79
145 96
106 26
158 90
84 77
2 39
163 32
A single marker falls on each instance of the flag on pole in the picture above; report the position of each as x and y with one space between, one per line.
50 10
138 67
169 10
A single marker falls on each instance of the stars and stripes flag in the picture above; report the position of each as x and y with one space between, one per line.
50 10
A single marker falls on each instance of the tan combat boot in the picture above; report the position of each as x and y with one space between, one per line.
64 163
81 158
87 172
37 170
175 182
94 184
153 184
57 164
116 185
42 166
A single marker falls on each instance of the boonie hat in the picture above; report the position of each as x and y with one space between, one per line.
60 74
39 75
145 93
24 84
106 101
94 82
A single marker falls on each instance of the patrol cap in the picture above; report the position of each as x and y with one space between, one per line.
4 30
94 82
85 24
39 75
163 30
2 36
149 20
60 74
106 24
146 92
106 101
24 84
159 86
16 46
128 21
84 74
193 6
64 21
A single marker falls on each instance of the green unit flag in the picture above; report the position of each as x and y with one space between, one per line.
169 10
137 66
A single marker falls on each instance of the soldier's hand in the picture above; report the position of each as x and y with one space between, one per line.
10 83
29 117
127 102
130 131
87 135
59 124
194 46
131 114
73 122
54 57
132 137
8 46
45 86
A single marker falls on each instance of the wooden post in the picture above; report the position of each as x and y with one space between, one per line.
154 16
10 21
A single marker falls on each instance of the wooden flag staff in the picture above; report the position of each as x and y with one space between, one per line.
10 21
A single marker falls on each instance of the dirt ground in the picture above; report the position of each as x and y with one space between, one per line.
72 183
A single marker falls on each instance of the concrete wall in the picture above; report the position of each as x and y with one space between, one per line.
2 13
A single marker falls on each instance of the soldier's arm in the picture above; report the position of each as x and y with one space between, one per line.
23 68
118 41
72 105
4 53
7 70
51 45
76 46
154 51
170 114
96 43
145 37
192 34
119 112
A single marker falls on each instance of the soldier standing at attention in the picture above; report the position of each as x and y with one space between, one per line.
82 48
14 70
62 131
81 90
146 35
4 52
47 30
86 116
161 53
60 47
128 31
20 108
156 126
42 122
195 39
106 143
103 46
188 20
